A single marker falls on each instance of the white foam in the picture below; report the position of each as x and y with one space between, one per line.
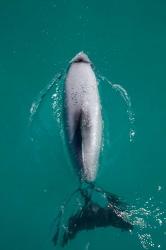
123 93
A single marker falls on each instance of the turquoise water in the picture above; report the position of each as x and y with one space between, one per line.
126 42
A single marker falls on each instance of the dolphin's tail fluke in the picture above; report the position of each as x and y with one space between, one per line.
100 209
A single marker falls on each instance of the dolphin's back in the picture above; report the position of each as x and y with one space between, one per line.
84 133
84 122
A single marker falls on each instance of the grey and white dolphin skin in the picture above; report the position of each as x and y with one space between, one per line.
83 115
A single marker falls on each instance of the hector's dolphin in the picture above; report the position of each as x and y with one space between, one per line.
83 116
83 122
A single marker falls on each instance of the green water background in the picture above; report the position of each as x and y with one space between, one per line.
126 42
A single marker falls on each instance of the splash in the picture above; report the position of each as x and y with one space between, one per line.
147 220
36 103
146 240
123 93
57 106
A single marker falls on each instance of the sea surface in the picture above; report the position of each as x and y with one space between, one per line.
126 41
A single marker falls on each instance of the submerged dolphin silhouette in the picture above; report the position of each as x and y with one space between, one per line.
83 121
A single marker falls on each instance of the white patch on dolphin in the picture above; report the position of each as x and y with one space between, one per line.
83 114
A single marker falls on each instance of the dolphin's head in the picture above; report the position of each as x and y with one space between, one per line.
80 57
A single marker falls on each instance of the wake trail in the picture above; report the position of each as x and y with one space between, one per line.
123 93
36 103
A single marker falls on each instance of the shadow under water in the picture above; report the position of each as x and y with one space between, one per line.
98 208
